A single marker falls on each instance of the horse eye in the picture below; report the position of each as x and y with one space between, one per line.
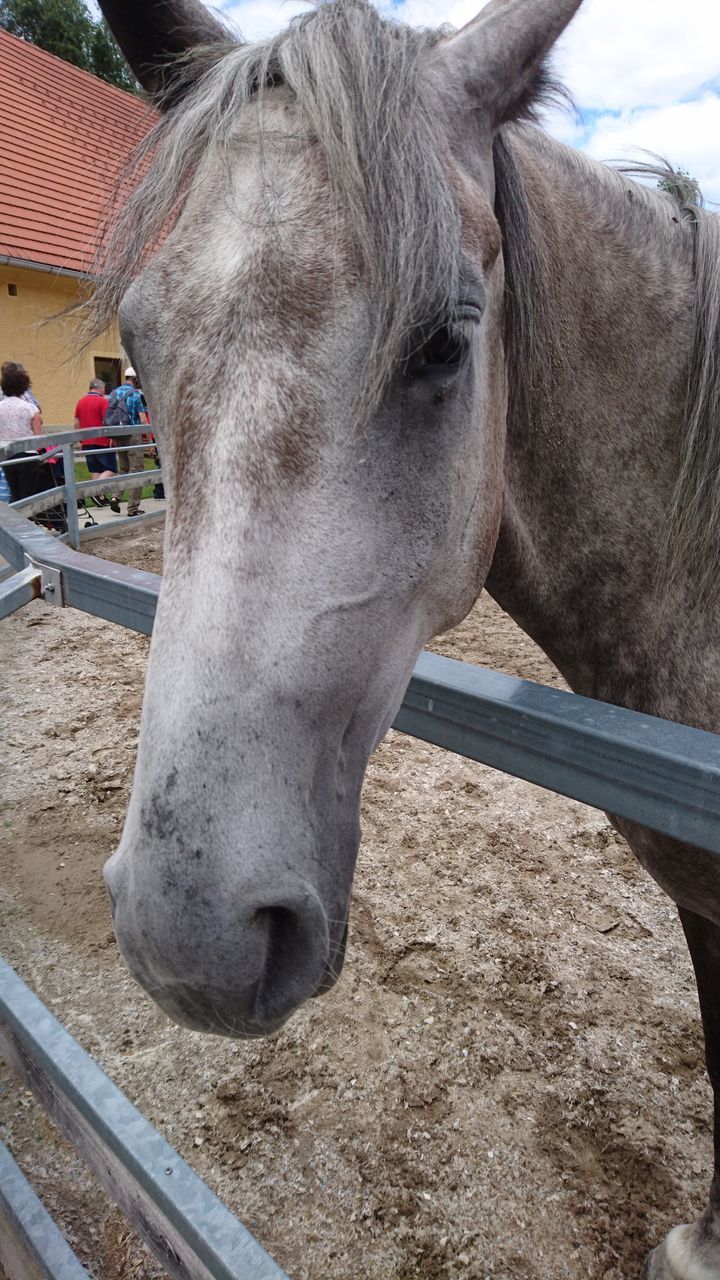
443 352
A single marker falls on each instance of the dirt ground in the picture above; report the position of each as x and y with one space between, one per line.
507 1081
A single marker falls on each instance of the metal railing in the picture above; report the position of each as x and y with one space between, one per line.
663 775
73 490
185 1226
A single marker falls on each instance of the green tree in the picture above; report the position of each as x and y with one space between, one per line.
106 60
67 29
678 184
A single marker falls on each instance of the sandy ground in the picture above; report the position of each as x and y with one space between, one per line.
508 1079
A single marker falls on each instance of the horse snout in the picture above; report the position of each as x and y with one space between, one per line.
238 966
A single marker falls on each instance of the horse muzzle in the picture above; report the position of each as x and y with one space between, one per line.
241 976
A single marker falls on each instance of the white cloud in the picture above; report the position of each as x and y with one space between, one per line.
424 13
619 55
258 19
685 133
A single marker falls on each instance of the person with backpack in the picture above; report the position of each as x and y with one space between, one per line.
90 412
127 408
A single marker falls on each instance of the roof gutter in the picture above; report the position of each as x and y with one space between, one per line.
24 265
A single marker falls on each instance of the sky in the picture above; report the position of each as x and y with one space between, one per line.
644 74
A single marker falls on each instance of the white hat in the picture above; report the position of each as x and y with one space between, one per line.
130 372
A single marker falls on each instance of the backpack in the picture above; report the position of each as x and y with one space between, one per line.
117 413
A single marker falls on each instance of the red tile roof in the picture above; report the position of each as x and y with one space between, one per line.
64 136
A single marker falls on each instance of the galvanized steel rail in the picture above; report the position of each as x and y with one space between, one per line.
663 775
191 1232
72 490
100 587
30 1244
23 587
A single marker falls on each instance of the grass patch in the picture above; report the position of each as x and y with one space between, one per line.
82 473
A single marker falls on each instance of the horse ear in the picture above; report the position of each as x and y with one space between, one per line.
153 33
497 59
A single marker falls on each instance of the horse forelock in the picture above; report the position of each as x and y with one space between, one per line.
355 80
355 77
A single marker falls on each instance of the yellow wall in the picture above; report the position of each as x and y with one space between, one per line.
60 373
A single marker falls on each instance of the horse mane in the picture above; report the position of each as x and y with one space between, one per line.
525 293
691 540
695 515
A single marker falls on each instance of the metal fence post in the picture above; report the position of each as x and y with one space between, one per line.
71 496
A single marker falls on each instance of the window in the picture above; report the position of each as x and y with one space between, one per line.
110 370
13 290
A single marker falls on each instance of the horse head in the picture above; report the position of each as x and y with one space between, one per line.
318 326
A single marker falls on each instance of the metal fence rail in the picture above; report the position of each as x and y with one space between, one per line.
183 1223
663 775
66 577
651 771
74 490
30 1244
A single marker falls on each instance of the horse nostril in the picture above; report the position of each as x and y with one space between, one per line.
114 874
113 899
296 951
284 935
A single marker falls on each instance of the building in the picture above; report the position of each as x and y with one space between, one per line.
64 137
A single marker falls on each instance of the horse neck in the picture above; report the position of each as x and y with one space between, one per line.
592 461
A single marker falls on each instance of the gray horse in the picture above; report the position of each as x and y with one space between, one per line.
400 344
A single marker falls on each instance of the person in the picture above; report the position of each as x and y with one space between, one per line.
52 456
19 416
90 412
154 453
127 405
159 488
11 364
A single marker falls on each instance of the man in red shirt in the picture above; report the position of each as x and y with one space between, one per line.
90 412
